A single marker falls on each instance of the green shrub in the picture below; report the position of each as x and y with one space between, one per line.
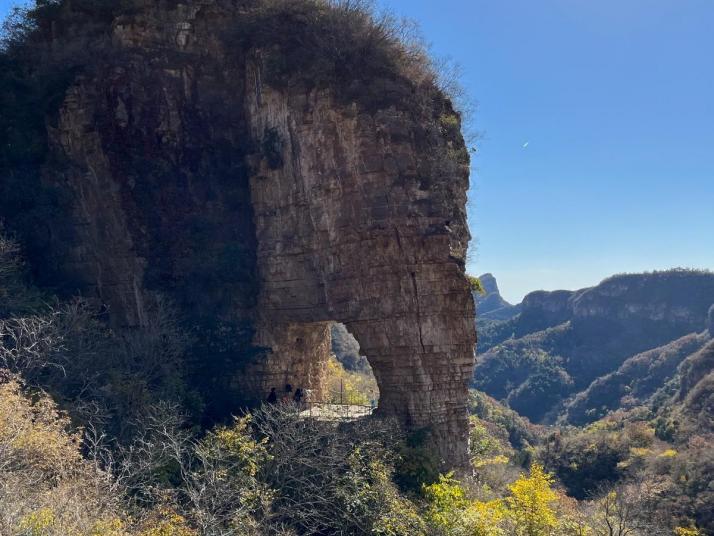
418 464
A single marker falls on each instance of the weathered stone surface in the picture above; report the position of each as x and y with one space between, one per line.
283 207
298 357
341 238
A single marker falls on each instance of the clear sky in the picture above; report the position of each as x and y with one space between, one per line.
597 118
615 100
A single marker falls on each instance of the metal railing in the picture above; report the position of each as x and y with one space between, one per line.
329 411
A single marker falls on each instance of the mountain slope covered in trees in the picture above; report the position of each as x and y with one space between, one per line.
576 355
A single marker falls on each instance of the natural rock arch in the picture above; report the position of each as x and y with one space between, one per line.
278 206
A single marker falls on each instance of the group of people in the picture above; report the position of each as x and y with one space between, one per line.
287 396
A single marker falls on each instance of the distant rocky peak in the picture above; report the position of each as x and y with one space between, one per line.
490 304
489 284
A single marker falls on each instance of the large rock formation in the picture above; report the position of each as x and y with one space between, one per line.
201 167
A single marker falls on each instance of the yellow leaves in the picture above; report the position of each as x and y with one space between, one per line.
485 518
640 434
55 491
485 447
499 459
475 284
532 502
451 511
530 510
108 527
445 497
236 446
45 522
34 434
669 453
687 531
37 523
166 522
348 387
639 452
399 519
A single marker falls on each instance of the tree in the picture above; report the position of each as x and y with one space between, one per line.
624 511
532 502
450 512
46 487
475 284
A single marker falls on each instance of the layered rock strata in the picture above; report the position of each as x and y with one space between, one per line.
279 207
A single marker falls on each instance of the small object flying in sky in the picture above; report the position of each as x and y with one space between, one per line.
526 144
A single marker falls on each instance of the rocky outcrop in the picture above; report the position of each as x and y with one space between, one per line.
346 348
490 304
677 297
270 207
543 309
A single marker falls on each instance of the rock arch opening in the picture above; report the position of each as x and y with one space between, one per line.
322 359
350 378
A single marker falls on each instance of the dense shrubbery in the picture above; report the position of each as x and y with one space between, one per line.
663 482
44 480
530 379
619 466
278 473
373 59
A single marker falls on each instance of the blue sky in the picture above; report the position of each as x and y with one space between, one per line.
616 101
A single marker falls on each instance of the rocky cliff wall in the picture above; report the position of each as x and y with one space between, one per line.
266 208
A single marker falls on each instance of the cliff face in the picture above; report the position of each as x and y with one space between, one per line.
267 208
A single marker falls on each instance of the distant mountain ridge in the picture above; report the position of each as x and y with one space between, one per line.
575 355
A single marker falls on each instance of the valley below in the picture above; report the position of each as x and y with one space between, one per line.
619 379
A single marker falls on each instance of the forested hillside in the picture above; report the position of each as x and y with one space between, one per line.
623 373
575 355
